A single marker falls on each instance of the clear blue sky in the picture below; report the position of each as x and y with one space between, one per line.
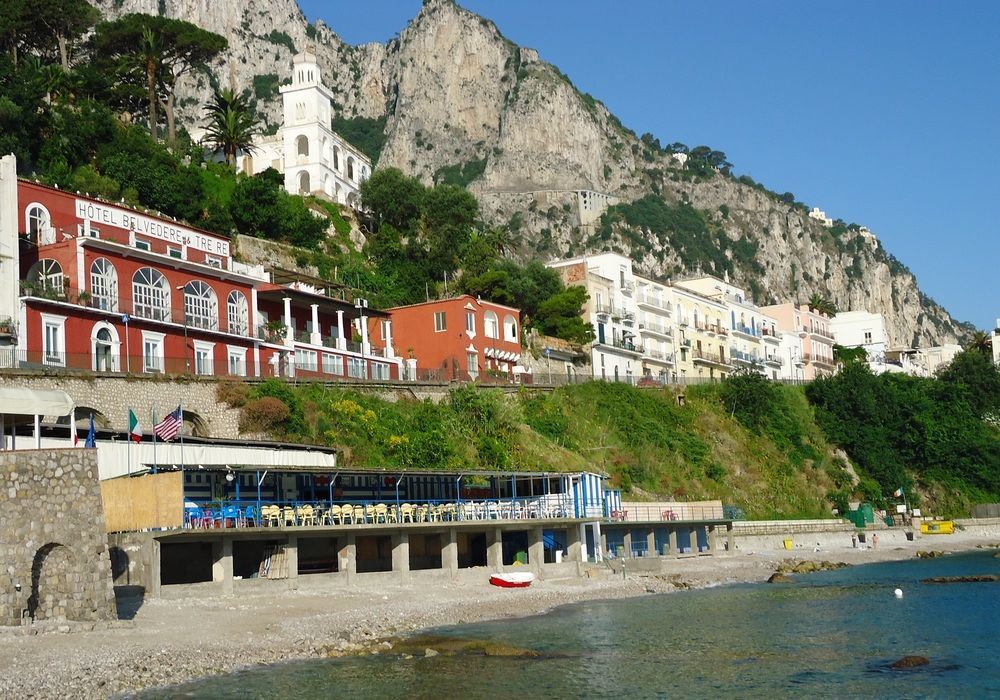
882 113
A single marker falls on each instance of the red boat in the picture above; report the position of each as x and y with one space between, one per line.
513 579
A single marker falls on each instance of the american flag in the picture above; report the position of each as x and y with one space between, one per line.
170 426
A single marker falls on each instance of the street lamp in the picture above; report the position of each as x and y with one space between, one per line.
187 362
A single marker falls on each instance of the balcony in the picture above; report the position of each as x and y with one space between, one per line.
685 342
770 336
649 300
626 345
818 359
772 361
628 286
709 358
656 328
602 309
821 333
746 331
742 357
666 358
628 317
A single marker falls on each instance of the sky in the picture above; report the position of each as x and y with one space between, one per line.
884 113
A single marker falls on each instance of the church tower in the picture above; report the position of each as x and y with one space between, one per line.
308 138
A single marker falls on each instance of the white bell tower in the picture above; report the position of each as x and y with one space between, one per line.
308 138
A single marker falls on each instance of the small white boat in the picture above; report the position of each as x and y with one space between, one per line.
513 579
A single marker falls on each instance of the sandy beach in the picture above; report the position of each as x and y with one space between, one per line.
171 641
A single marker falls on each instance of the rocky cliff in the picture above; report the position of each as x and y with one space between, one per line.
460 100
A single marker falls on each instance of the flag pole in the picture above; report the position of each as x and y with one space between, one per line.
181 431
128 442
152 423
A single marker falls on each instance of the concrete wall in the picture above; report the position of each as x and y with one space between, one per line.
54 562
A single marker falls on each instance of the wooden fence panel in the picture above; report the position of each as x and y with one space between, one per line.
143 502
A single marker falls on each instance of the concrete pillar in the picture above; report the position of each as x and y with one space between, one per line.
575 548
292 557
226 561
604 545
389 350
401 556
154 570
347 557
289 333
536 549
315 335
672 536
341 337
599 541
694 539
730 538
366 346
494 550
713 543
651 543
449 552
627 544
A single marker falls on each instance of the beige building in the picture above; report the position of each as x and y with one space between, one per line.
815 341
702 336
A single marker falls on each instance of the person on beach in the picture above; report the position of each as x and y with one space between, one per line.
874 541
854 540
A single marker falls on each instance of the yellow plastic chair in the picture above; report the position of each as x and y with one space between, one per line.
271 515
332 515
306 515
361 514
288 515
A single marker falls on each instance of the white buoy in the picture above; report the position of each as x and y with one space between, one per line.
898 592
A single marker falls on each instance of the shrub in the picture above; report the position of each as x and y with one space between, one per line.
263 415
232 393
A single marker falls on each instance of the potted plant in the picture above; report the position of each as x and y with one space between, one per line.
275 330
84 298
6 326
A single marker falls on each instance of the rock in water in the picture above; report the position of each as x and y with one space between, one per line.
778 577
983 578
910 661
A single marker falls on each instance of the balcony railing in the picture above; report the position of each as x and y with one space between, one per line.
742 356
747 330
707 356
817 359
656 327
650 300
769 334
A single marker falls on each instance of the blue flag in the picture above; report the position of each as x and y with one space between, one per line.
91 434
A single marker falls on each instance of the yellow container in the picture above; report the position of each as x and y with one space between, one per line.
937 527
789 544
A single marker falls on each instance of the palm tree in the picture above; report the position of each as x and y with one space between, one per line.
821 304
231 124
981 342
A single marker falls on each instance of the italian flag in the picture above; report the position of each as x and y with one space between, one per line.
134 429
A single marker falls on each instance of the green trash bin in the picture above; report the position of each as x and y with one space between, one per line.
521 557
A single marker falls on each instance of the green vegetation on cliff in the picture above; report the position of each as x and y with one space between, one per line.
646 443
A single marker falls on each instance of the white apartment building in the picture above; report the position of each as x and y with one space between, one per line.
753 338
936 357
617 350
860 329
996 343
654 301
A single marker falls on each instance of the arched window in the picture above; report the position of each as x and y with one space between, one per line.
150 294
336 158
323 150
45 278
300 109
491 326
304 185
201 306
36 221
364 173
103 285
350 168
302 145
238 313
510 328
105 345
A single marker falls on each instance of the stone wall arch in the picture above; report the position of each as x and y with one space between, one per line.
195 425
53 595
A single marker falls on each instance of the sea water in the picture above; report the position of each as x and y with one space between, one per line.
829 635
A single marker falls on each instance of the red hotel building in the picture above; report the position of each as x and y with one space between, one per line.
90 285
456 338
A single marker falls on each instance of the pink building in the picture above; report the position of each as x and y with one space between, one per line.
815 344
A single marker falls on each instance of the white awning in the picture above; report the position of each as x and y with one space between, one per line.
19 401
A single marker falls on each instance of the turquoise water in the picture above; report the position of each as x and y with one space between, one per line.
831 635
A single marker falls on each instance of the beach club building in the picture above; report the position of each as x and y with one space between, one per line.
90 285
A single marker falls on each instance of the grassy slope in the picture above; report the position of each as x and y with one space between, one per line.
640 437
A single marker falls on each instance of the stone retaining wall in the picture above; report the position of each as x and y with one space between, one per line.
54 562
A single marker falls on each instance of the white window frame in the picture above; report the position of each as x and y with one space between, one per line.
104 285
491 325
238 313
440 321
239 355
357 368
153 362
151 299
472 363
175 252
380 370
213 261
201 305
53 340
49 275
333 364
306 360
510 336
142 245
470 323
204 367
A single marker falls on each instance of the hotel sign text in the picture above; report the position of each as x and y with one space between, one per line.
156 228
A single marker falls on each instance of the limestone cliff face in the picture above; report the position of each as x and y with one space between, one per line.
457 94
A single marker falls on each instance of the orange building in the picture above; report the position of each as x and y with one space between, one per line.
457 338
